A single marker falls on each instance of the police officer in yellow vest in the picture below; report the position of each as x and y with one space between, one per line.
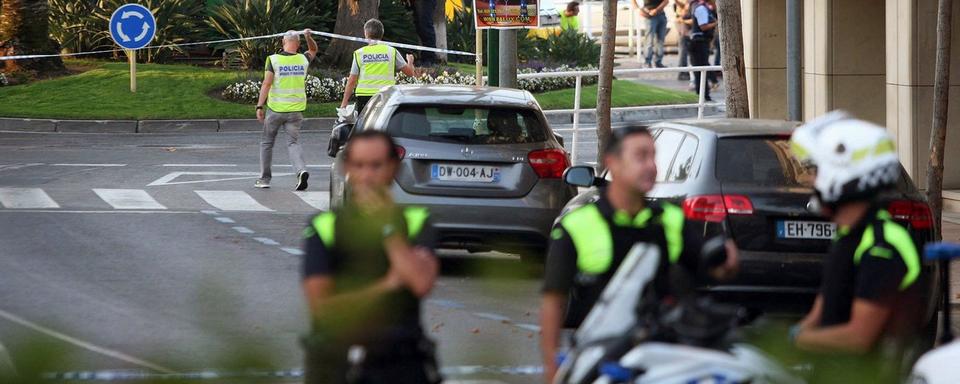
869 299
374 67
283 98
366 268
589 243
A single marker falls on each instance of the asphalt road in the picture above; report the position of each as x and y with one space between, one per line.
154 253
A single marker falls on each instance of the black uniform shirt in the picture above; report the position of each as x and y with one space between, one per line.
358 260
562 274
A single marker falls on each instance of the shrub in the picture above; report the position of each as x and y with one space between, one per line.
397 21
242 18
74 25
322 90
461 35
569 47
177 22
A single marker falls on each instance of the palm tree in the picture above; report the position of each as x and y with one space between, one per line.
605 82
25 29
351 15
938 136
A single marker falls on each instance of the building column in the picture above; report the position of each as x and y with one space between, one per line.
911 61
764 49
844 58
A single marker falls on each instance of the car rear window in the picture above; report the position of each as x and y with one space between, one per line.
761 161
467 125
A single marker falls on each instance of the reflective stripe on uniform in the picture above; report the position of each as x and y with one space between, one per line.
377 73
289 90
897 236
325 224
593 240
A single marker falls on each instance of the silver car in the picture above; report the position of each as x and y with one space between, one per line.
483 160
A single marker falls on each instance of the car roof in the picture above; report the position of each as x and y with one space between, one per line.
458 95
726 127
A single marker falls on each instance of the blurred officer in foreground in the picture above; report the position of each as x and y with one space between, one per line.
366 268
869 303
588 245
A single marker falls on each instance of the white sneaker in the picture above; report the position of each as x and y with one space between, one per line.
261 183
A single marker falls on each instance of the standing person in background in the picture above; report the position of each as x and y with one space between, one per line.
652 10
423 20
570 17
683 30
714 76
374 67
702 27
283 98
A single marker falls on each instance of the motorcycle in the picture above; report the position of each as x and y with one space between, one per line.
939 365
631 337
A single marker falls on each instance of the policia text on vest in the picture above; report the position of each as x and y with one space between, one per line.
283 98
374 67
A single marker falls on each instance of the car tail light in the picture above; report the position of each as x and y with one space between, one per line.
714 208
916 213
549 163
401 151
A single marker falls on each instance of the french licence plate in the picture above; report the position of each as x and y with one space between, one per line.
467 173
791 229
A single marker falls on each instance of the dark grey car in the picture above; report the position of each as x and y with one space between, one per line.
482 159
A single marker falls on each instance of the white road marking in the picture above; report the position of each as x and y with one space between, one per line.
170 177
232 201
12 167
266 241
293 251
93 211
26 198
83 344
225 220
198 165
88 165
128 199
243 230
308 165
208 212
318 200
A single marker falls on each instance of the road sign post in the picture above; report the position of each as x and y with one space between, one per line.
132 26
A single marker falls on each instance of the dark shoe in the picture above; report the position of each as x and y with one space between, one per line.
660 65
683 76
302 180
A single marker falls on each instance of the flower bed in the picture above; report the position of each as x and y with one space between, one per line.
326 90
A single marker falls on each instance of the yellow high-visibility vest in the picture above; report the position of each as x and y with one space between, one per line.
289 90
377 65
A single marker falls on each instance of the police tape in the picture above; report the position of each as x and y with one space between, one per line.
324 34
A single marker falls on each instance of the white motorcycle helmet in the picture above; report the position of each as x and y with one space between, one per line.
855 159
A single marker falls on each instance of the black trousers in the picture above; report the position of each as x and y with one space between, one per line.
423 20
700 56
362 102
408 362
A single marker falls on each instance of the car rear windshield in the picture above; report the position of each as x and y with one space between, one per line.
467 125
761 161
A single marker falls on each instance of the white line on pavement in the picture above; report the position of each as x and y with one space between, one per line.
168 179
128 198
7 369
198 165
225 220
318 200
88 165
232 201
266 241
12 167
293 251
76 211
83 344
243 230
26 198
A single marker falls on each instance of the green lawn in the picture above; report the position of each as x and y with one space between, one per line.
625 94
183 92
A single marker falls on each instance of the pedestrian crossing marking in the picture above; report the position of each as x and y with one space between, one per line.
128 199
26 198
318 200
232 201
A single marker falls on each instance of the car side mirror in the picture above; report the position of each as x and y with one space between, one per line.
338 137
559 139
580 176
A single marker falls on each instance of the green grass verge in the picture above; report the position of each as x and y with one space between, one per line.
183 92
163 92
625 94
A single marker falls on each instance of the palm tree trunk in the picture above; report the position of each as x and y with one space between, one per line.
938 135
605 82
351 15
731 53
25 30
